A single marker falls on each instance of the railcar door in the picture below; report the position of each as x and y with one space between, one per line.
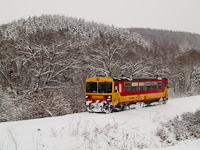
166 89
116 94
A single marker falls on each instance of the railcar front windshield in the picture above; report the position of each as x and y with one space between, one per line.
105 87
91 87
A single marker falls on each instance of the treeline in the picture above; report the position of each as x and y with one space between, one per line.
45 60
186 41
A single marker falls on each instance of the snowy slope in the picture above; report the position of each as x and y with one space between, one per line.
130 129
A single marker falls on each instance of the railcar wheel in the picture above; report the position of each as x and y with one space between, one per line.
127 107
122 108
160 102
165 102
140 105
90 108
108 109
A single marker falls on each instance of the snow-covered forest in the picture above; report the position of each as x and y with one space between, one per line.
45 60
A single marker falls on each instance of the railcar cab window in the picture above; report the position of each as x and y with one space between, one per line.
91 87
105 87
134 86
159 85
148 86
141 86
127 87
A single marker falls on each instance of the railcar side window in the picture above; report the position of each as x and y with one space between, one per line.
154 85
148 86
91 87
127 87
141 86
134 86
159 85
164 85
120 88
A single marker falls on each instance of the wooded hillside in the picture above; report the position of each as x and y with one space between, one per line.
186 41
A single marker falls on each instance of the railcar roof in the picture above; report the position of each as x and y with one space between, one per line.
138 79
99 78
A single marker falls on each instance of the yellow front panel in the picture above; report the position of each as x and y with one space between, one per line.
98 95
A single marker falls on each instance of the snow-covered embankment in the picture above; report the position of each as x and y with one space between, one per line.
128 129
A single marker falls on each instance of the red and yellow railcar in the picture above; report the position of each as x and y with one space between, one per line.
107 94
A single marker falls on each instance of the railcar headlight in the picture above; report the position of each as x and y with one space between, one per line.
86 96
109 96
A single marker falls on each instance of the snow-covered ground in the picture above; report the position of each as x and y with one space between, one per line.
130 129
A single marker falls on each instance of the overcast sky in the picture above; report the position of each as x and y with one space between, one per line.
178 15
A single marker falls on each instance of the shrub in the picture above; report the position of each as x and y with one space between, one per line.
182 127
8 110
